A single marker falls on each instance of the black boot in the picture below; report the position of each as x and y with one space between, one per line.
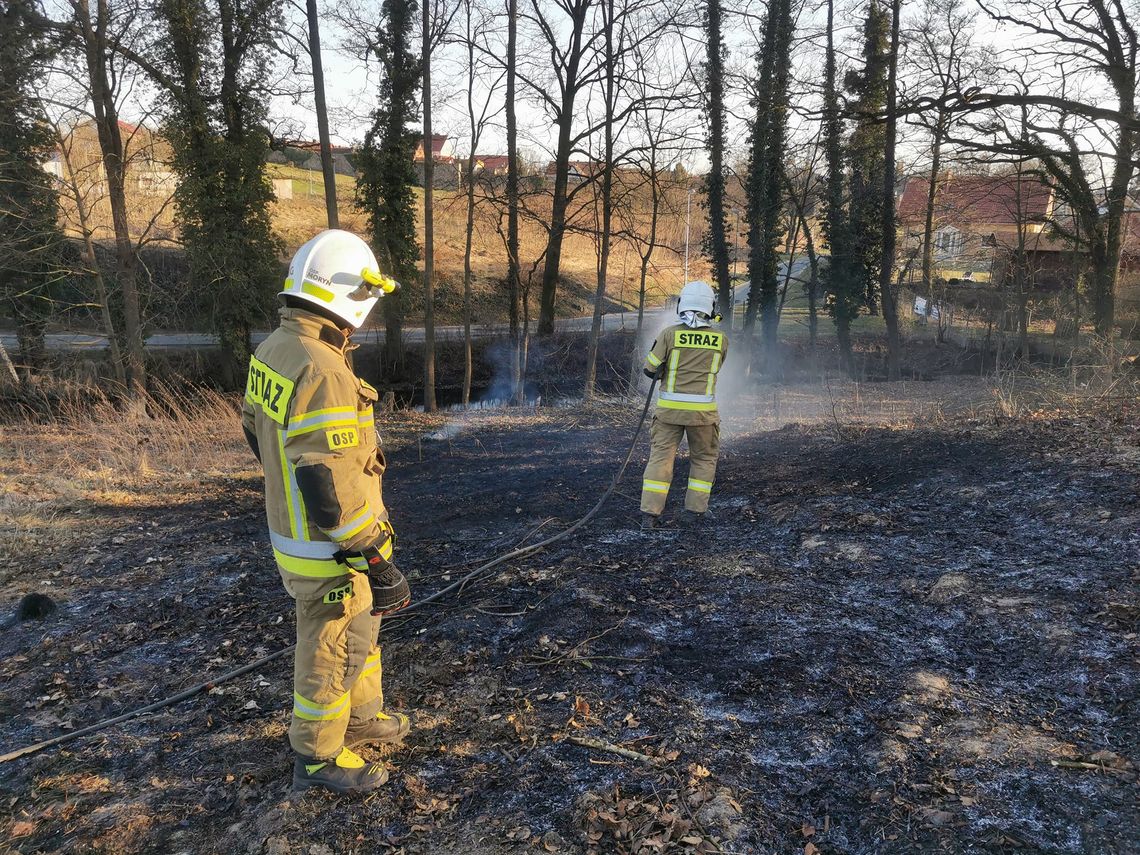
346 773
648 521
382 728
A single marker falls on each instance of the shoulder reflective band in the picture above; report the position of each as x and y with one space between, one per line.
710 386
700 339
671 379
270 391
653 360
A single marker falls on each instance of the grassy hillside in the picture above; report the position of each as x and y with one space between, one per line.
299 218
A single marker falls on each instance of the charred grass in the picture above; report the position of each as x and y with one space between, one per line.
911 628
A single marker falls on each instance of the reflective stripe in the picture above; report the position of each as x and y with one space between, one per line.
317 419
371 664
315 290
355 525
360 564
688 398
684 405
293 500
655 486
314 568
303 548
312 711
653 359
671 382
366 417
710 386
700 486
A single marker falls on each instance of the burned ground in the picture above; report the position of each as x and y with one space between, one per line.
887 641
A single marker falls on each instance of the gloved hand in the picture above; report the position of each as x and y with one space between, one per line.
390 590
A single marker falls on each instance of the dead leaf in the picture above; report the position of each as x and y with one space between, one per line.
22 828
807 830
810 848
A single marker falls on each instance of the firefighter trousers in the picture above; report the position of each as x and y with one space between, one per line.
337 667
704 447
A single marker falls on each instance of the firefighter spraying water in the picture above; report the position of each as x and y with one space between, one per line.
686 358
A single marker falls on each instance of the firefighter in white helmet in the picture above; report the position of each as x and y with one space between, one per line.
309 420
686 357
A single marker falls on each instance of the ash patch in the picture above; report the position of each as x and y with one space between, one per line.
905 641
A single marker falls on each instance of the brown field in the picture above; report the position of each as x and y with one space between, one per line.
910 628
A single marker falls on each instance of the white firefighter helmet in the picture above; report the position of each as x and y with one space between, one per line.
336 271
697 297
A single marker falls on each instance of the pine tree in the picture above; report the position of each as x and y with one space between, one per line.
31 244
866 148
384 190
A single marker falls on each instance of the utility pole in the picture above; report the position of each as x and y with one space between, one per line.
688 212
322 116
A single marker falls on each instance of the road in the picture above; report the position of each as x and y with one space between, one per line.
188 340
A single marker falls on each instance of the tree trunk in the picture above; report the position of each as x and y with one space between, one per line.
565 121
928 225
429 224
93 262
887 291
514 285
322 115
9 367
111 148
607 213
715 185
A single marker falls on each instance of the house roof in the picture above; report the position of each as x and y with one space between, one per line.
982 200
493 161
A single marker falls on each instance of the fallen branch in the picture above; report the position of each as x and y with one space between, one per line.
599 745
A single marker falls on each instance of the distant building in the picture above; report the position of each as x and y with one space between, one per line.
341 166
446 172
438 144
976 214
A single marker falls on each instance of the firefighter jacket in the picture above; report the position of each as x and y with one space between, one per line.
309 419
688 360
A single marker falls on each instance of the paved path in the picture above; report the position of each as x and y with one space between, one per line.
188 340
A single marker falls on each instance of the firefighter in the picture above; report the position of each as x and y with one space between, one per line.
686 358
309 421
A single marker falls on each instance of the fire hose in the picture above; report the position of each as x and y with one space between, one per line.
455 587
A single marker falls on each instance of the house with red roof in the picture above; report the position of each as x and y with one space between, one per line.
977 216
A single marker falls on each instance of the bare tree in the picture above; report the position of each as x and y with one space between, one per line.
313 21
476 23
98 35
888 293
1083 53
